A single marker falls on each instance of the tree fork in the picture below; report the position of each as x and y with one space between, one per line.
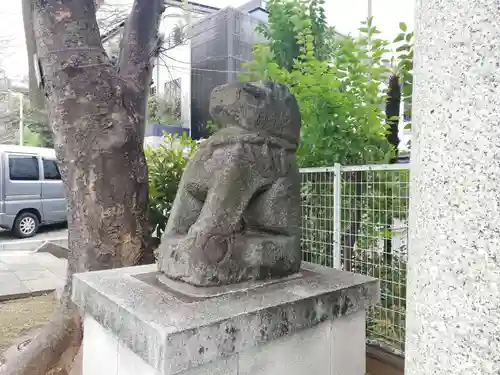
97 113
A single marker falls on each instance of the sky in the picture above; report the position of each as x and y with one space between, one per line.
346 16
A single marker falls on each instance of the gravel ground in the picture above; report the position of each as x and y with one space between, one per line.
19 317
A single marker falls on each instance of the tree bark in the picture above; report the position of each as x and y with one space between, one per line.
97 140
61 335
138 46
96 113
392 110
35 94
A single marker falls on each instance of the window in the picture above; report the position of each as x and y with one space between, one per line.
173 96
173 90
50 170
23 168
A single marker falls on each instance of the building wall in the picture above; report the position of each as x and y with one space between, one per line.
260 14
220 45
173 67
112 44
173 64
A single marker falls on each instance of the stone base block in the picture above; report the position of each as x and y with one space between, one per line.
312 324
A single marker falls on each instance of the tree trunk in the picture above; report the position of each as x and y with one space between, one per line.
392 110
35 94
97 113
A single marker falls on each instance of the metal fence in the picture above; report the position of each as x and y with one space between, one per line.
356 219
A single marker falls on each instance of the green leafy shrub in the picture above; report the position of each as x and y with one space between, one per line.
339 91
340 85
166 165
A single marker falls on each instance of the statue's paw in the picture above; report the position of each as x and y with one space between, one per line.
215 248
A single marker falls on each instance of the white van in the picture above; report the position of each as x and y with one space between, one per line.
31 189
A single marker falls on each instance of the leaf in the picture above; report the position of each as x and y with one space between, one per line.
338 85
402 26
404 47
165 166
407 90
399 38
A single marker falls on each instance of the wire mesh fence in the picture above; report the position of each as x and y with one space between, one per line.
355 218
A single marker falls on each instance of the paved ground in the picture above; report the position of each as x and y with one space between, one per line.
24 274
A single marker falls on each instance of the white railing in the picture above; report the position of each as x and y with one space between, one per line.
355 218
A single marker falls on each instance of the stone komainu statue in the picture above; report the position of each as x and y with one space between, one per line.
236 215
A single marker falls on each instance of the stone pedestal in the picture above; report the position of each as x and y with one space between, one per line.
311 323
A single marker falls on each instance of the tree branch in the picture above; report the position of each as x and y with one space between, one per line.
138 47
36 95
72 29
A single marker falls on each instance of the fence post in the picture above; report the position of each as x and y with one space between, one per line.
337 187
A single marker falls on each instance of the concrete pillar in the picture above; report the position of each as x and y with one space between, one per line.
453 318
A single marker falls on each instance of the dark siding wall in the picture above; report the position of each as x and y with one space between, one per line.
220 44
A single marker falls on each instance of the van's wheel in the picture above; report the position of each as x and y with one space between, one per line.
26 225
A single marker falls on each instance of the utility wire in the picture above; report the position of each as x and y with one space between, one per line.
188 68
170 73
195 35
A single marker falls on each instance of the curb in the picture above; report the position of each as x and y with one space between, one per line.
32 245
16 296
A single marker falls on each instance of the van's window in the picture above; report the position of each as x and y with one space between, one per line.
23 168
50 170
